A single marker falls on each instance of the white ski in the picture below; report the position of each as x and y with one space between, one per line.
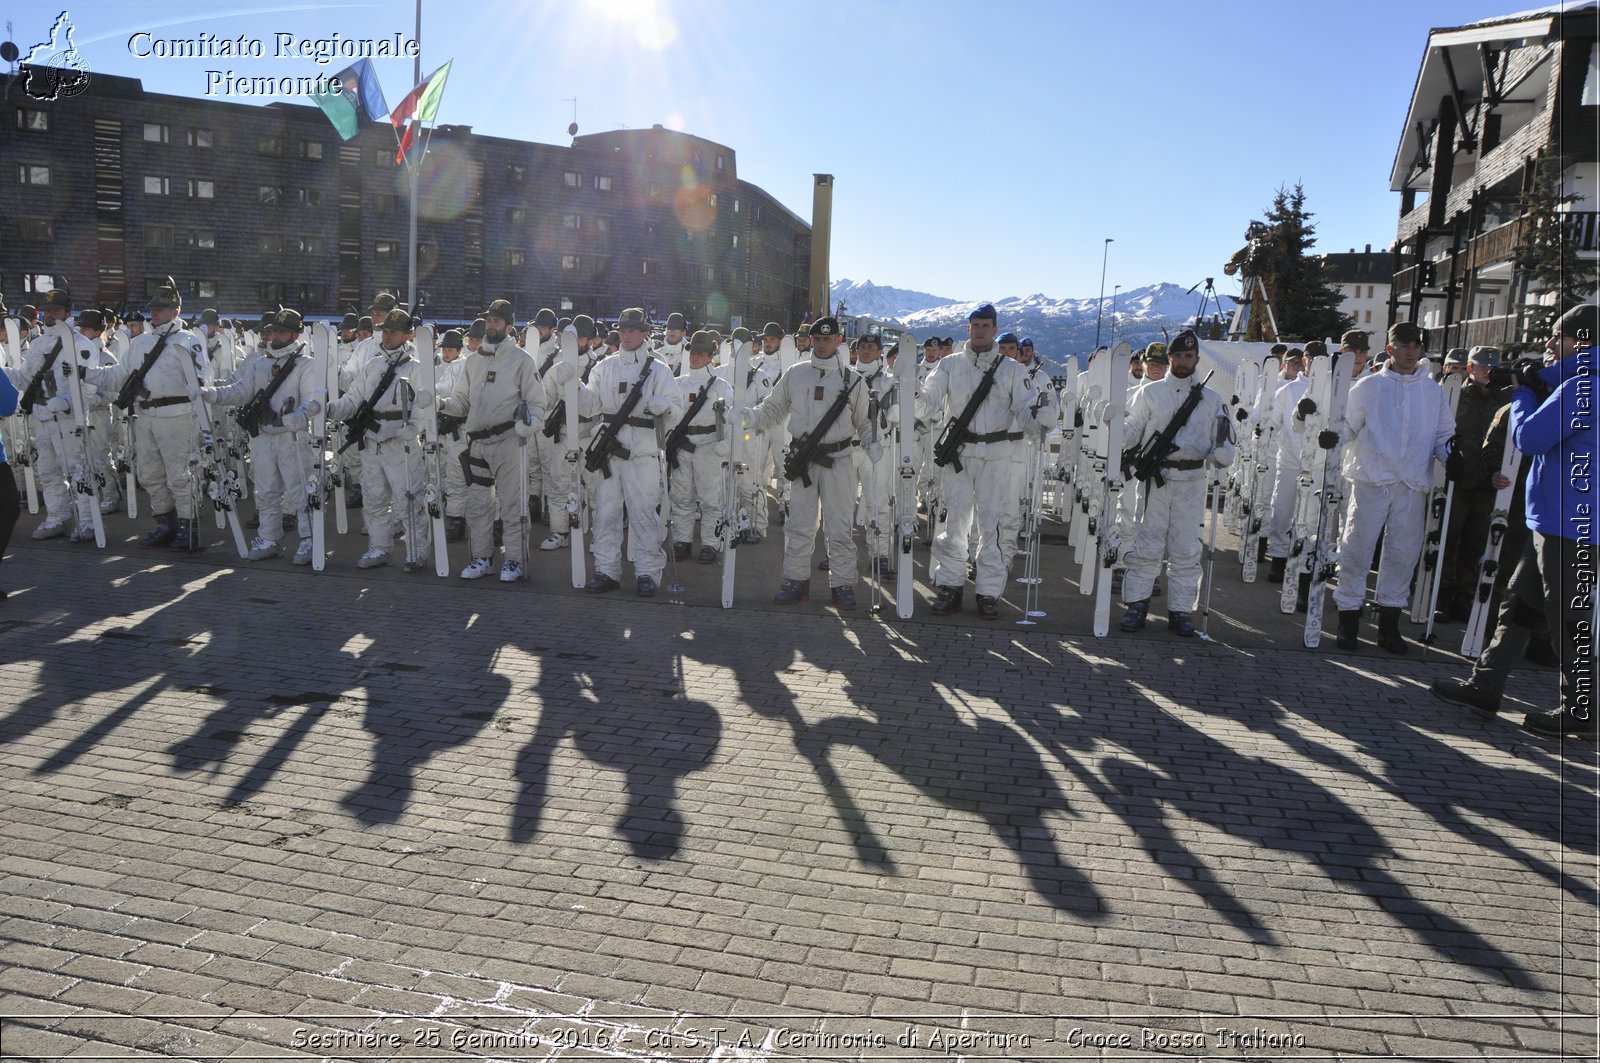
333 461
85 478
1303 451
1489 563
1263 435
1108 546
317 482
1322 552
577 511
905 492
432 470
735 519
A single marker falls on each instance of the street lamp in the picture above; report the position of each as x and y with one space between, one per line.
1100 303
1114 291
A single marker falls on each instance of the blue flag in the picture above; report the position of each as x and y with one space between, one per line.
354 95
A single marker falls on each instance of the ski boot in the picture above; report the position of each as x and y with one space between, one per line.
947 601
1349 629
1134 618
163 533
187 540
1389 637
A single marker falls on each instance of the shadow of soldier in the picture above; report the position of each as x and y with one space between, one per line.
972 764
624 711
1164 770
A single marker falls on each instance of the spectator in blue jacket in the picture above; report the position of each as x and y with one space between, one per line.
1553 421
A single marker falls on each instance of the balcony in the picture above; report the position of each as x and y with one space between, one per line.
1413 223
1485 331
1496 245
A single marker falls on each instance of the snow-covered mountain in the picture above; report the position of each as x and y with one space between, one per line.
879 301
1058 327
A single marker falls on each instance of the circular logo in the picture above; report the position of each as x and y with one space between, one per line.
62 76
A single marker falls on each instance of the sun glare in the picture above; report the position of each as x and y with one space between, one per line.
647 20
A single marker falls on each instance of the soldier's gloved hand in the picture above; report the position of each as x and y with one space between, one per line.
422 399
296 420
720 407
287 408
313 408
746 421
1305 408
58 404
527 427
207 394
1222 456
1242 415
874 451
562 372
660 406
1327 439
1455 463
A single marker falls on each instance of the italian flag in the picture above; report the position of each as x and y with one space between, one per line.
419 106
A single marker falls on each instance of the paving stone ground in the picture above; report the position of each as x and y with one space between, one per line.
252 812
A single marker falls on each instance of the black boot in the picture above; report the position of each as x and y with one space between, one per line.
1349 629
947 601
187 541
1389 637
535 507
1275 569
455 529
162 534
1261 550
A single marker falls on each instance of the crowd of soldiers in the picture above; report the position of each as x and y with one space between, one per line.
995 425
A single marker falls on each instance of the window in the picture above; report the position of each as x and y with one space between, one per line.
386 249
572 179
602 183
312 294
30 173
202 189
273 293
735 239
33 229
1369 317
200 138
712 199
517 215
721 162
155 133
644 266
710 275
203 289
566 303
1369 291
385 203
269 244
602 225
516 174
158 236
570 262
516 258
308 197
383 159
310 149
269 195
157 186
203 239
269 144
572 221
655 191
736 206
33 121
304 245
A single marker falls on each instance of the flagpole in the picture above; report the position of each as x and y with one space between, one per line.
415 168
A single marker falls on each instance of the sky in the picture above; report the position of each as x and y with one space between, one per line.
978 150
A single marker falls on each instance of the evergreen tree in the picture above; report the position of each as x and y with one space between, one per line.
1556 277
1304 296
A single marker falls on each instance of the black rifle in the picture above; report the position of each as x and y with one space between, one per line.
250 414
807 451
555 422
135 385
1146 461
35 390
364 420
604 446
947 449
678 438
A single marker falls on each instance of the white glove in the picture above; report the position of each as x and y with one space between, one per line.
58 404
660 407
746 420
295 420
422 400
720 406
529 428
193 391
313 408
1222 457
208 394
562 372
874 451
